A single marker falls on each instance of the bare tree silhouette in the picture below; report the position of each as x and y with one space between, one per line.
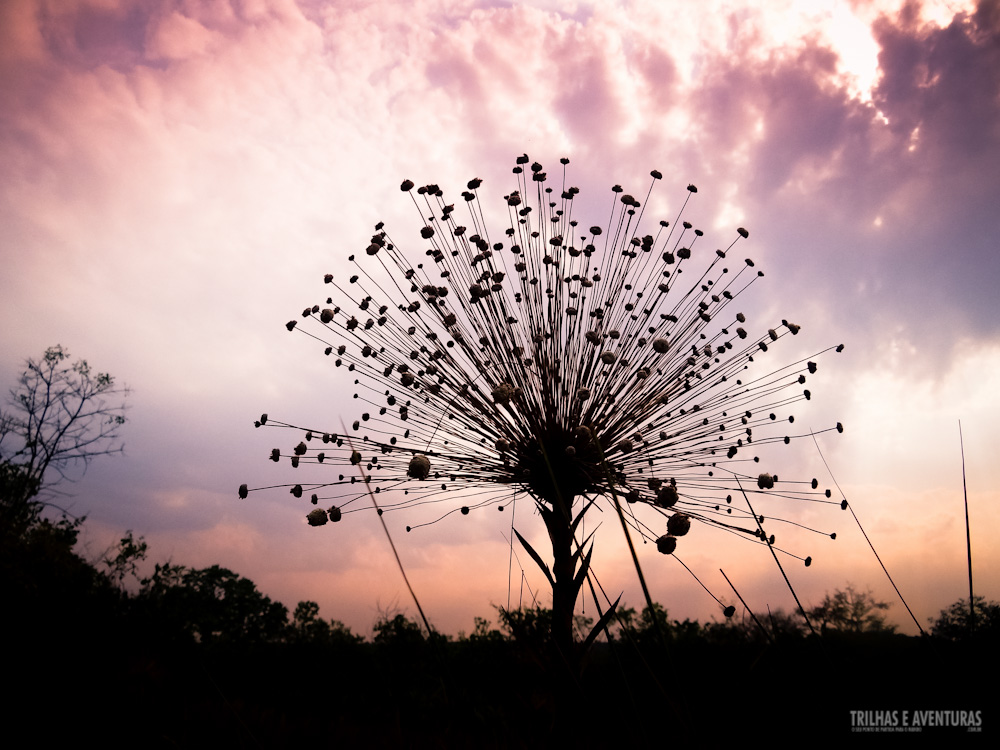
59 416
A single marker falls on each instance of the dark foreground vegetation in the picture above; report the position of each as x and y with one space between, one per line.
97 652
195 658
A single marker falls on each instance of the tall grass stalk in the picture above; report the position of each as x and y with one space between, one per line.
968 533
844 504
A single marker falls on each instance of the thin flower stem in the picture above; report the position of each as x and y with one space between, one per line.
777 562
395 553
746 607
857 520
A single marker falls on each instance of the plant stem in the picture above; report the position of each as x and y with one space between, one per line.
563 588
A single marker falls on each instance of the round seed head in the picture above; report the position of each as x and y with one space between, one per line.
503 393
679 524
666 544
317 517
420 467
666 496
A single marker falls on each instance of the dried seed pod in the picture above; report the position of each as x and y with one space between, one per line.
679 524
317 517
503 393
420 467
666 496
666 544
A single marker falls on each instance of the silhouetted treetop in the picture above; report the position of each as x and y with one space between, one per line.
58 417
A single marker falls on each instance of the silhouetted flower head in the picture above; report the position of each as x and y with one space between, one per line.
550 360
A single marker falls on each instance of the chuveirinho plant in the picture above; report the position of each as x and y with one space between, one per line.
555 363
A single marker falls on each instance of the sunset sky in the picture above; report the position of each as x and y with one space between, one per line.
176 176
